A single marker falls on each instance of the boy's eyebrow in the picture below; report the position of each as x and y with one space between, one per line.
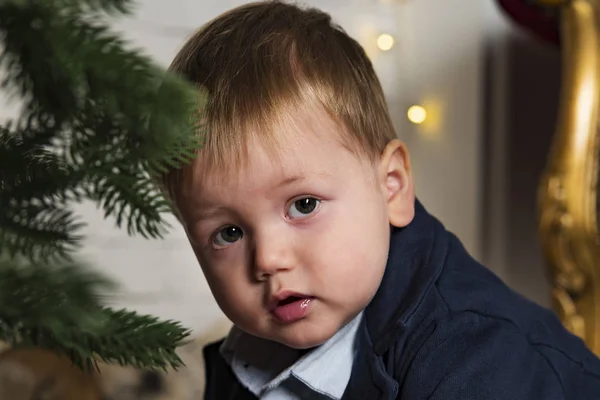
297 178
208 213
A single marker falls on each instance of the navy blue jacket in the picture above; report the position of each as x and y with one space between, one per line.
443 327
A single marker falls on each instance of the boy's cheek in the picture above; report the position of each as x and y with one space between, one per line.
218 278
220 265
207 263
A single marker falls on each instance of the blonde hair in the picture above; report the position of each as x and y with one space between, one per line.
262 61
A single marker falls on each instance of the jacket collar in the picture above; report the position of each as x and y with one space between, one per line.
416 258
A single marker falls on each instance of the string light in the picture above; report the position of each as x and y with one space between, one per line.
385 42
416 114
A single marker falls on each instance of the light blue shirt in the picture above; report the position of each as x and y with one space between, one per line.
273 371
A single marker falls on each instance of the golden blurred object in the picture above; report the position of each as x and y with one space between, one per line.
568 190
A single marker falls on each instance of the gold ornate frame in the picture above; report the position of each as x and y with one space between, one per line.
568 189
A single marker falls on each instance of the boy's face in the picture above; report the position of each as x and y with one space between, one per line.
295 246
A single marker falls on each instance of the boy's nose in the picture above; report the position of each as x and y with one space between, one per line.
272 254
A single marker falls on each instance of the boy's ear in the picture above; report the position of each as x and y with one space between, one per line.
397 183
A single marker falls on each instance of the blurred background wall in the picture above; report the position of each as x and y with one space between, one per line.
490 95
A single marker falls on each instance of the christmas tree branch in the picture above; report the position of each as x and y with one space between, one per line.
101 114
99 121
59 308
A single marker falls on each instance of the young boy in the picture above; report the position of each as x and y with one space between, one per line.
302 213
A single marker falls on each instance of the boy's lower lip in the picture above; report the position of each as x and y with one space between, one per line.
293 311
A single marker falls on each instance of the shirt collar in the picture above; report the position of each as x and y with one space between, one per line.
262 365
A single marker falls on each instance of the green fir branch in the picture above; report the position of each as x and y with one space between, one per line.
39 232
141 340
133 200
108 95
60 294
59 308
99 121
31 169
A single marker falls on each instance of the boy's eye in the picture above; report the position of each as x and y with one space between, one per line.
303 207
228 235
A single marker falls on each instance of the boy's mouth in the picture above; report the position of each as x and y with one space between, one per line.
288 300
288 307
285 297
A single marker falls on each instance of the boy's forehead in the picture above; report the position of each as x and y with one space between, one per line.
277 140
289 157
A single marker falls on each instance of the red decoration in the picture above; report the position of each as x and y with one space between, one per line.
532 18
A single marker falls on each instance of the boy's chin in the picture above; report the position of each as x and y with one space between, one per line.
303 345
304 338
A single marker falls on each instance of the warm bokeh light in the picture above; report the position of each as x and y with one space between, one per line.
385 42
416 114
